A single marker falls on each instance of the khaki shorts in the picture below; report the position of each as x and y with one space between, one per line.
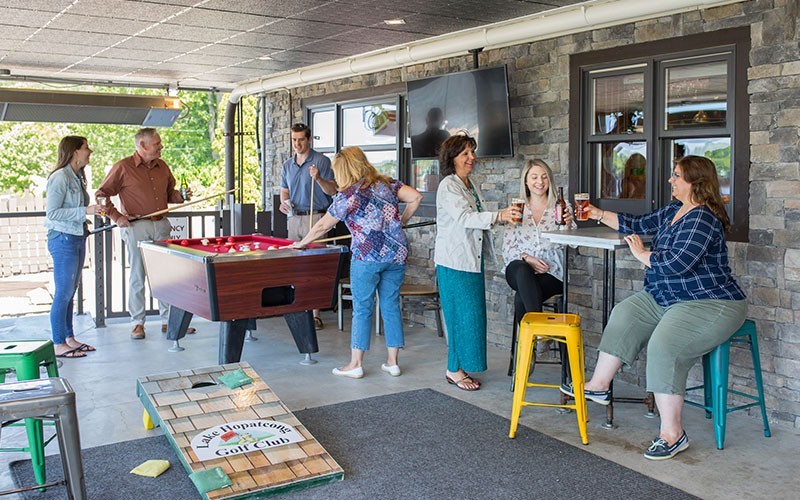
297 225
675 336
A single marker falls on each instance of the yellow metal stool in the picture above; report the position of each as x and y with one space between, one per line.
563 328
26 357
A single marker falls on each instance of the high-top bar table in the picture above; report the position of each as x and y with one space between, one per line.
609 240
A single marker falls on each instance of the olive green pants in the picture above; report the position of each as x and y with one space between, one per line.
676 336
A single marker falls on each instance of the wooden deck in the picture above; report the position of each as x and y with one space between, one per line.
183 412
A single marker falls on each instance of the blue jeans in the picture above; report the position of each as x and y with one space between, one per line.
365 279
69 252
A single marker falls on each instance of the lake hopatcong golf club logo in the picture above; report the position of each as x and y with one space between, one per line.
243 436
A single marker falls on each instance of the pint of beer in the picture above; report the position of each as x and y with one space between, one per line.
519 204
581 206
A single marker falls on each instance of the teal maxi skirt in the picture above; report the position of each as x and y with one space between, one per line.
463 298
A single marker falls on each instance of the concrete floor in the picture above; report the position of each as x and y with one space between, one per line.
751 466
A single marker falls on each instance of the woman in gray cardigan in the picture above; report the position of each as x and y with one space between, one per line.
463 240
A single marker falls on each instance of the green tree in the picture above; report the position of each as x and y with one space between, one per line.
28 154
193 146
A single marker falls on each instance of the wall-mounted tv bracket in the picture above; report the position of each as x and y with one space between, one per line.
475 53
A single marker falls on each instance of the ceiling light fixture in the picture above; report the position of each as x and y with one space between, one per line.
394 22
265 58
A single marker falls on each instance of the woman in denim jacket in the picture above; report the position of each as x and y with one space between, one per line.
67 208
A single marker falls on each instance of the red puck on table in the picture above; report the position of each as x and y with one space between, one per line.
185 243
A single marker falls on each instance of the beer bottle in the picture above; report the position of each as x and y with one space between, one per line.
184 188
561 208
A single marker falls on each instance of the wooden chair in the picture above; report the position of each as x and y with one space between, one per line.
415 297
423 298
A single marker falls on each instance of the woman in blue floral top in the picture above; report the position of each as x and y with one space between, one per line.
690 303
367 202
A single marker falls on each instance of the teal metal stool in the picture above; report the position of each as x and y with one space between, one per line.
715 382
26 358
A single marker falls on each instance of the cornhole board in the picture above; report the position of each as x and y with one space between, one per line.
188 402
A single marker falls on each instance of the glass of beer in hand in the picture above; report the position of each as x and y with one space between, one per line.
519 204
581 206
101 200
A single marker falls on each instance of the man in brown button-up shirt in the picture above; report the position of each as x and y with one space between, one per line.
145 185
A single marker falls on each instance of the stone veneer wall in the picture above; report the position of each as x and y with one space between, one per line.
768 267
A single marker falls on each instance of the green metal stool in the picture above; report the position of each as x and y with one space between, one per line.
26 357
715 382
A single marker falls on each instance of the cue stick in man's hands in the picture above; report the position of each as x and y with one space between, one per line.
163 211
311 209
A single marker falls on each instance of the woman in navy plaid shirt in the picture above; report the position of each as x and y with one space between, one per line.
690 303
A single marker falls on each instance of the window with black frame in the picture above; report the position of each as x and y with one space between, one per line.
639 115
372 126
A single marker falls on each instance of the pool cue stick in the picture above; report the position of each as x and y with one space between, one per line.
163 211
334 238
311 209
346 236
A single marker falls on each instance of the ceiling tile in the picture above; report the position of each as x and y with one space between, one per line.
176 47
44 5
65 37
53 60
186 69
189 33
17 33
340 47
306 27
300 56
36 47
94 24
277 8
224 49
382 37
206 59
355 15
24 17
145 54
219 19
125 9
278 42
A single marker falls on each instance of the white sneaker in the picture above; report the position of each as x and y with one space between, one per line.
393 370
354 373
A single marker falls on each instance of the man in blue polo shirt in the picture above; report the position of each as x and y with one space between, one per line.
297 175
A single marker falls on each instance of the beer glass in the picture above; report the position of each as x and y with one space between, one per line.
581 206
519 204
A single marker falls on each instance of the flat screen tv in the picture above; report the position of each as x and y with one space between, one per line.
474 101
